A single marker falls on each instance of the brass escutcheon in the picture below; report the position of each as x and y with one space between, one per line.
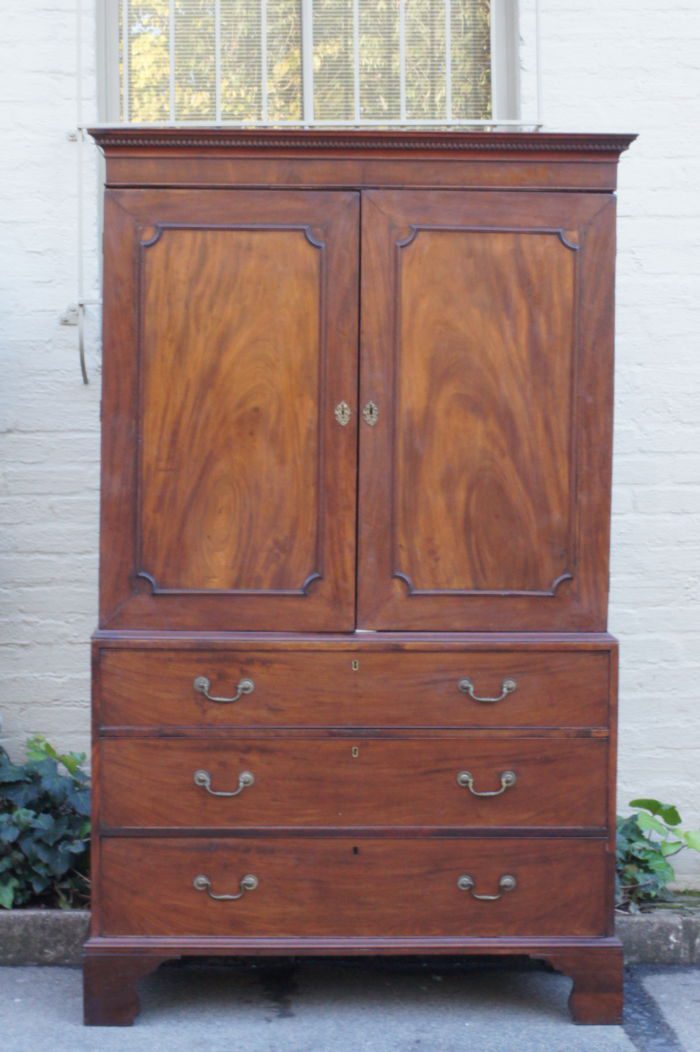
370 413
343 412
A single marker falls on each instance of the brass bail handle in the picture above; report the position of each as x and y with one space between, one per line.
507 687
201 684
203 778
466 780
506 883
247 883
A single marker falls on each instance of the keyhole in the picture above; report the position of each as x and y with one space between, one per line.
356 851
354 665
355 752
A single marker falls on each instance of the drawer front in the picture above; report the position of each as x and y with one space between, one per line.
353 887
339 782
323 688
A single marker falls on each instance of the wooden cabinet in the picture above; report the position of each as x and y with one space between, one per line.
353 690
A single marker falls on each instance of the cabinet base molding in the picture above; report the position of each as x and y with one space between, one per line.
112 967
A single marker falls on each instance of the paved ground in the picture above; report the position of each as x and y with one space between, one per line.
370 1006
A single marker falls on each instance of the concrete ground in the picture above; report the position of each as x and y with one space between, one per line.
350 1006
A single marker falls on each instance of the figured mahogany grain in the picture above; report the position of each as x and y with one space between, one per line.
486 344
368 782
353 886
483 479
143 688
228 486
231 410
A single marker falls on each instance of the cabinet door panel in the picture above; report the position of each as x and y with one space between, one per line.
487 346
228 500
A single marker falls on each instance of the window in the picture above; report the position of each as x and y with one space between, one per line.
321 62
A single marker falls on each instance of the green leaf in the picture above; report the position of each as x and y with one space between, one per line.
651 824
7 892
692 839
669 847
37 749
44 828
667 812
8 834
10 772
72 761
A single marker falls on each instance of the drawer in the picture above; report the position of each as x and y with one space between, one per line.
140 688
340 782
353 887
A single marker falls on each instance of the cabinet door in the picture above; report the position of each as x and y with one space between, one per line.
486 346
228 498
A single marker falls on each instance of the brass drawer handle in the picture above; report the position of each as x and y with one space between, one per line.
247 883
467 883
507 687
202 685
466 780
203 778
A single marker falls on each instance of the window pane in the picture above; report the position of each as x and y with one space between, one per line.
261 61
284 79
149 61
425 59
195 61
333 60
241 61
379 60
471 60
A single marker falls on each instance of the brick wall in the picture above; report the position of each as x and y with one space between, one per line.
613 65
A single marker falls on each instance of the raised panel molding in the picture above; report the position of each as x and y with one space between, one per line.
572 241
148 237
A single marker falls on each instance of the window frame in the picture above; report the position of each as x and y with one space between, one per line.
505 76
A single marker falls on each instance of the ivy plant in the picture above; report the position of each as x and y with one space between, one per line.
646 840
44 828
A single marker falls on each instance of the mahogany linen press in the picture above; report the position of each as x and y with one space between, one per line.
353 688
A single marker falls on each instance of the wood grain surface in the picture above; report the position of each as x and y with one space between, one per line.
486 343
368 782
228 486
322 886
321 688
230 410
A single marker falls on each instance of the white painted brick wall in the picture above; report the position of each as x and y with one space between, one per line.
615 65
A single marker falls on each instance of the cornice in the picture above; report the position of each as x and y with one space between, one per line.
303 140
